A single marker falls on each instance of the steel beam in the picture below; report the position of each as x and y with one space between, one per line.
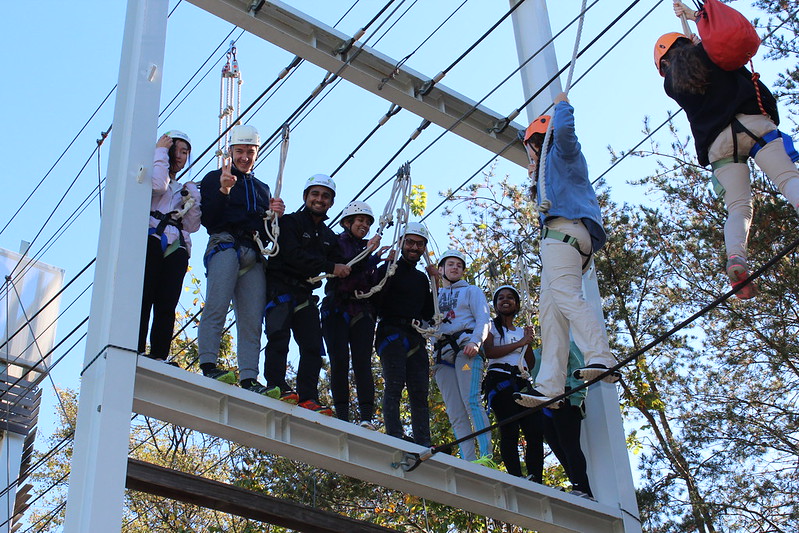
193 401
312 40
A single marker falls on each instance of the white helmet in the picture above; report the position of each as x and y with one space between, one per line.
244 134
417 228
356 208
452 253
321 179
177 134
510 288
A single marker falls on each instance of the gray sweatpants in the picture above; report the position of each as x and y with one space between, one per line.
248 294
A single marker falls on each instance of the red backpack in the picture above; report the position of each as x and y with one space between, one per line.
728 37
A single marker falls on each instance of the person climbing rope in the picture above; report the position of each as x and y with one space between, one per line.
405 298
510 356
174 215
233 205
459 364
348 323
571 231
732 118
307 247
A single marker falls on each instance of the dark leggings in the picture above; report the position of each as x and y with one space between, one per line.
347 336
562 431
163 283
504 406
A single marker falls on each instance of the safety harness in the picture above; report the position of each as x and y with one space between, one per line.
173 218
760 142
449 340
510 383
406 345
549 233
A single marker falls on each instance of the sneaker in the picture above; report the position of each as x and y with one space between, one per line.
738 271
587 373
368 425
288 395
316 408
529 397
582 494
486 460
252 385
225 376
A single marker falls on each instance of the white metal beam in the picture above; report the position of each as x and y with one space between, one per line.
199 403
312 40
99 463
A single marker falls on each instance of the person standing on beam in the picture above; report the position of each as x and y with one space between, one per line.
571 231
233 205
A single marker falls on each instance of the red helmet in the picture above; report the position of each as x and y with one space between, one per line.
539 125
664 44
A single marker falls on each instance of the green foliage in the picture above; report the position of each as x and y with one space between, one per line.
417 202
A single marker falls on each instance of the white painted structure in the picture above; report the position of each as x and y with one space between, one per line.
602 439
117 382
99 463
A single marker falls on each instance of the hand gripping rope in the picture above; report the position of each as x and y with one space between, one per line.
437 317
399 201
271 226
544 203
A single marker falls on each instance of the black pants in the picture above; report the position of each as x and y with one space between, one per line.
562 431
347 336
405 362
504 406
163 283
300 316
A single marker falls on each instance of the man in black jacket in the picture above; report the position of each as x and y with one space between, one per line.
401 348
307 248
233 205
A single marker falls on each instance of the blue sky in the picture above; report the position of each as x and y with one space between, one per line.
59 74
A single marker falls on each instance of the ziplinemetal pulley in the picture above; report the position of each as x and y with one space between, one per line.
229 99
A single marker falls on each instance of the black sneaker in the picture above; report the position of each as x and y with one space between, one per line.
225 376
587 373
530 397
252 385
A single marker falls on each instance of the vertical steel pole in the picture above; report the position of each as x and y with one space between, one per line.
531 29
97 480
603 432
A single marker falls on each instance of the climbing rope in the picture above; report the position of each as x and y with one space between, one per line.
432 329
545 204
271 225
398 203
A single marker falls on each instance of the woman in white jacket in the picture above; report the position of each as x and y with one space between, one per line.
459 364
174 214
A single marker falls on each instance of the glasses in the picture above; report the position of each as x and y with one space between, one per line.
414 244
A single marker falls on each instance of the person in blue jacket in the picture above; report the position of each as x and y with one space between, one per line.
233 205
348 323
571 231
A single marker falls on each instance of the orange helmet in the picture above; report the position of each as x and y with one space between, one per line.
664 44
539 125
